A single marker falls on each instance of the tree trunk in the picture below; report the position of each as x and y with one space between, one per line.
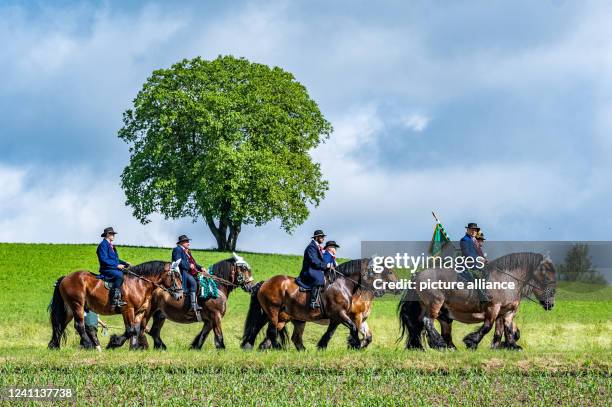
225 241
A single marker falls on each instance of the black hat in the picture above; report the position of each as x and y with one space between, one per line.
318 233
183 238
108 230
331 243
472 225
480 236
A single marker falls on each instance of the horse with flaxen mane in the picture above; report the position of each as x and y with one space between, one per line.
228 274
279 300
82 289
530 273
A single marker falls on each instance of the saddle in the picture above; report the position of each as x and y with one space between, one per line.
107 283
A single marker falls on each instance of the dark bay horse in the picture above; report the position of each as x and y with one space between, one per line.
82 289
530 272
230 273
279 300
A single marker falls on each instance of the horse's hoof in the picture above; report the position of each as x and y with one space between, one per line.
247 346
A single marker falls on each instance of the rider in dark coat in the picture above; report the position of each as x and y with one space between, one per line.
471 248
189 270
111 267
311 276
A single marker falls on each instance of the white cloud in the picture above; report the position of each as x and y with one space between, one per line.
416 122
73 207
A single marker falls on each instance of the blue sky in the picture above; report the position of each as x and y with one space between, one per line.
496 112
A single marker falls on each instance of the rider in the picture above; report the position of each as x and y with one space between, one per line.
480 239
313 265
189 270
470 248
329 253
111 267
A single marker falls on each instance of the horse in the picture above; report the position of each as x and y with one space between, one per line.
228 274
83 289
361 307
530 272
279 300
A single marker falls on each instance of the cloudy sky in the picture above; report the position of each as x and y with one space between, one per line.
497 112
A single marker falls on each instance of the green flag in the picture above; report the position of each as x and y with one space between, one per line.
439 240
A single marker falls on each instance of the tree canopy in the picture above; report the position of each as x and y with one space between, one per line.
227 141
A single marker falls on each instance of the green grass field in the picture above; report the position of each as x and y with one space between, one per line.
567 354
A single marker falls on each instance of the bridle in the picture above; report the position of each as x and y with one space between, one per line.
174 275
545 288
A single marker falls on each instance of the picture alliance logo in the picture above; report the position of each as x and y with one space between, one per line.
423 261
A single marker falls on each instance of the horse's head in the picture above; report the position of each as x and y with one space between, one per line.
242 273
545 283
387 275
172 280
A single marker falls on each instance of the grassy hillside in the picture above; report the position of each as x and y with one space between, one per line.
567 351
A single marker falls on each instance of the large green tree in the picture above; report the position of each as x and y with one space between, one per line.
227 141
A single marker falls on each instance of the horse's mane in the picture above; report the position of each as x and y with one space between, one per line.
149 268
223 269
516 260
346 269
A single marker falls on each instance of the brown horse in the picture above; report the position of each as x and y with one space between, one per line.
361 307
279 300
81 289
530 273
228 274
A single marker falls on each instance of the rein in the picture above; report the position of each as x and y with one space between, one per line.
128 271
221 280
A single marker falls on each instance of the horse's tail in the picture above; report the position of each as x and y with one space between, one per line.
57 316
255 320
409 312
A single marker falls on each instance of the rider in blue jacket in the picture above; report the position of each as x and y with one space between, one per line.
311 276
111 267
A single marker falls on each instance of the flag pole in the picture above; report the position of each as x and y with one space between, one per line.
443 230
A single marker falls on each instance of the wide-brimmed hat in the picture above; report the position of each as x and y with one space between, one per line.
480 236
331 243
472 225
318 233
182 238
108 230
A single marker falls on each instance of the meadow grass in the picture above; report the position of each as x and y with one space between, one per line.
566 358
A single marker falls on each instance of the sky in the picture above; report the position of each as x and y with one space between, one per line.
495 112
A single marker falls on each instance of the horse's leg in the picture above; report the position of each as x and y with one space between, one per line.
200 338
216 325
116 341
158 322
142 337
367 334
433 337
271 339
446 328
509 331
297 335
78 312
134 330
333 324
446 325
498 334
353 340
472 340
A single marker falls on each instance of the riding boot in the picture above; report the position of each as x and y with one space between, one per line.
314 296
195 307
117 300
